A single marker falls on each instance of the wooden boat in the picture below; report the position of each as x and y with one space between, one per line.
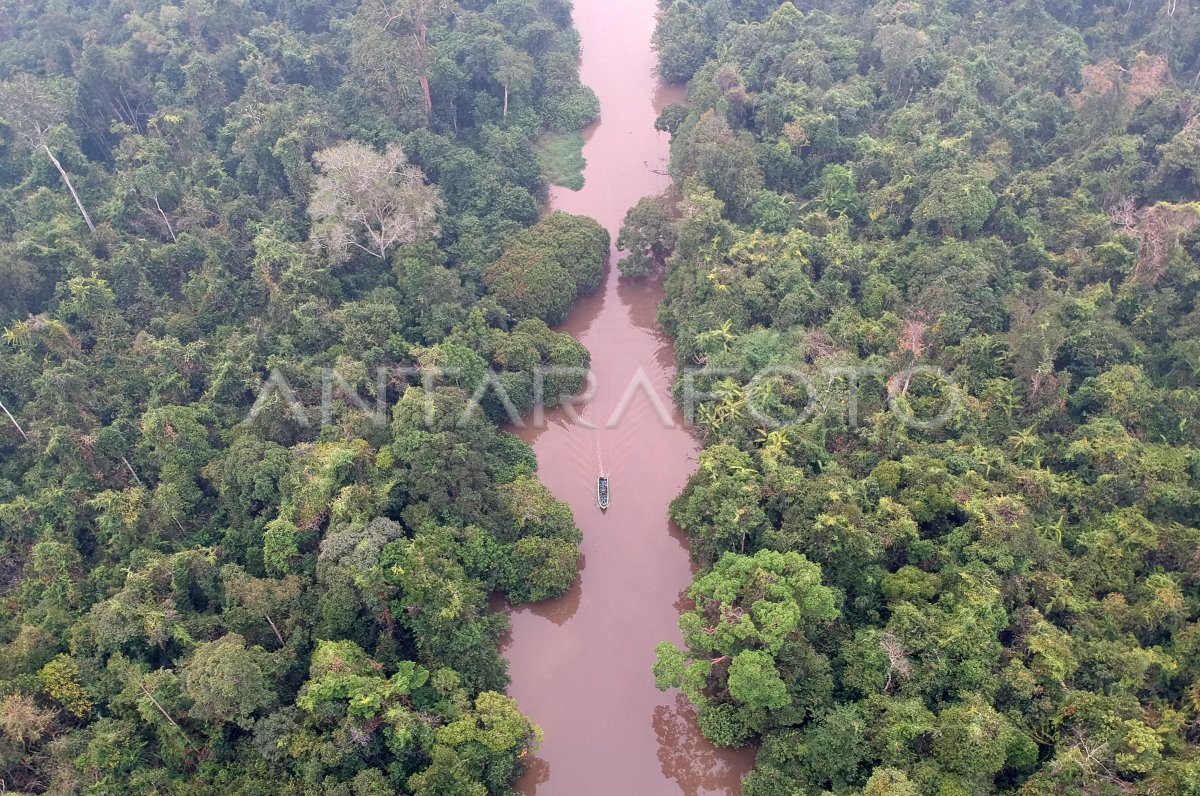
602 492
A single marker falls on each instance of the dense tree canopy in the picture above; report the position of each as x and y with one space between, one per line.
937 263
549 265
214 219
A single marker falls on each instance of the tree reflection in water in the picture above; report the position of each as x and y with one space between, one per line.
537 771
689 759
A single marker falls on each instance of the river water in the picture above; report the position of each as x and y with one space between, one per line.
580 665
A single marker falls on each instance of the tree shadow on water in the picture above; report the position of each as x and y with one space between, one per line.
642 297
687 758
558 610
537 772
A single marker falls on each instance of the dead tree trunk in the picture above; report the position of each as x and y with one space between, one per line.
67 180
166 220
24 436
163 711
424 66
278 635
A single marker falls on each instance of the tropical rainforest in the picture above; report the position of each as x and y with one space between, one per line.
243 548
936 266
930 266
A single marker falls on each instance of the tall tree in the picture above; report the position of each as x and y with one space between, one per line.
648 233
391 33
515 71
32 108
362 194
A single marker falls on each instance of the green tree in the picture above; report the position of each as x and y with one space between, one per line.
228 681
725 159
748 635
959 203
515 72
529 282
648 233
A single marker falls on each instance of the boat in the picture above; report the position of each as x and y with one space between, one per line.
602 492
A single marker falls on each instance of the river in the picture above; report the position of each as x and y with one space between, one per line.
580 664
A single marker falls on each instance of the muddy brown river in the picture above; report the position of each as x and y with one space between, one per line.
580 665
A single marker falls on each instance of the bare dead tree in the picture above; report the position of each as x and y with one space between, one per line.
898 664
133 472
166 220
909 348
362 194
1157 230
1093 758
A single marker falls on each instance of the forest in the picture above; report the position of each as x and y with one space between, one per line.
209 587
930 266
982 215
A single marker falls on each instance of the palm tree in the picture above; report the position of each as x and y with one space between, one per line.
1007 401
24 334
19 335
774 445
1055 530
1027 441
728 404
722 335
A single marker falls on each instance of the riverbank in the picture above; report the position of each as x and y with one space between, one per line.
581 665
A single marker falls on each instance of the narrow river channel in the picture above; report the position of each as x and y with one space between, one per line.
580 665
